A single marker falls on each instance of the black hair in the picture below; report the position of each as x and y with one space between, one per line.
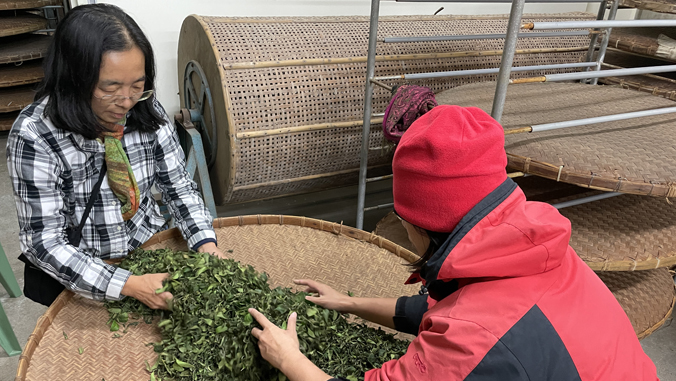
436 240
73 63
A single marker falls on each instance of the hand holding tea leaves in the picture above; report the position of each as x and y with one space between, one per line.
377 310
211 248
325 296
144 288
281 349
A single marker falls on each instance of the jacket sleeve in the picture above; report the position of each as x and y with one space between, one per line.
409 313
35 173
451 349
179 192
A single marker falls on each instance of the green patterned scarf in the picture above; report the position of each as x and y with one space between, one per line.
120 175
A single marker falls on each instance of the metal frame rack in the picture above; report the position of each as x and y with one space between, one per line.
598 27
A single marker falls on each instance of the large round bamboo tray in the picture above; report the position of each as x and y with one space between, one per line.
6 120
24 48
26 73
663 6
15 98
288 92
639 40
285 247
635 156
23 23
647 297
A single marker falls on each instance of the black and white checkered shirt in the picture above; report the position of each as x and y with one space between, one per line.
53 172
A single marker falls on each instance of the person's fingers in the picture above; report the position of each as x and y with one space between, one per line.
313 299
312 286
260 318
291 324
256 333
164 275
165 295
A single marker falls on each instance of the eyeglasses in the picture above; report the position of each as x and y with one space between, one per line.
138 97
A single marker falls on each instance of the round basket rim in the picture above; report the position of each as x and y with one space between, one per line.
66 296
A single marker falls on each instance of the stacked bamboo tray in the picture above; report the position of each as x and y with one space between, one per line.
638 47
21 50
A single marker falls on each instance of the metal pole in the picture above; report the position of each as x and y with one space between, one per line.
492 36
507 58
457 73
377 207
592 43
368 99
606 39
607 73
599 24
602 119
585 200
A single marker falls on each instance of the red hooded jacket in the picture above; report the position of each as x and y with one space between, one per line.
514 302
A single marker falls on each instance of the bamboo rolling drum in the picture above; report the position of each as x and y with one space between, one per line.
287 93
285 247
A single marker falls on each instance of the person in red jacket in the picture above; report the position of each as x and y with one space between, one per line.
508 298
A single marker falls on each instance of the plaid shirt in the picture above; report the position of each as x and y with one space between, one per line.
53 173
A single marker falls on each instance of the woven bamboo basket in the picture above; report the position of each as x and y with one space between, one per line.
29 72
636 156
647 297
285 247
15 98
638 40
288 92
7 119
22 23
24 48
663 6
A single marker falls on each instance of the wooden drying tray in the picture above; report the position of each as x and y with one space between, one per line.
635 156
26 73
22 23
662 6
23 48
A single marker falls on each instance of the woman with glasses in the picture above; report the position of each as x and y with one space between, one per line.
508 299
84 157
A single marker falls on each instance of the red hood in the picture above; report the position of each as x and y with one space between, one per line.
516 238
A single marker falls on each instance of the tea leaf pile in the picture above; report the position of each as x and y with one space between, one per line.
207 336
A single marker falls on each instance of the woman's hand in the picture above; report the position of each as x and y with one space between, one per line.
326 296
277 346
211 248
143 289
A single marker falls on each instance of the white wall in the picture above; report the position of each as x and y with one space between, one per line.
161 21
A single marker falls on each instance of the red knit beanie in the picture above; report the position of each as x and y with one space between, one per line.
446 162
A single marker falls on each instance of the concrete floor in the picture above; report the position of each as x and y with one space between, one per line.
335 205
